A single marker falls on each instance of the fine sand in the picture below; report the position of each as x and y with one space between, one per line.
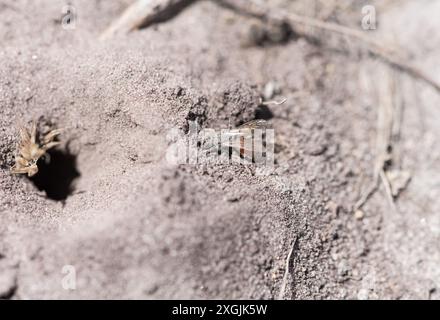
108 216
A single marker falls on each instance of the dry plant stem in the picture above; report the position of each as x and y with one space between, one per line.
29 150
388 191
144 13
386 124
249 8
287 270
367 195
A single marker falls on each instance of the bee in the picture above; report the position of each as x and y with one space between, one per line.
30 150
242 142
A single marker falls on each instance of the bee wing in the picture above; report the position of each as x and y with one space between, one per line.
254 124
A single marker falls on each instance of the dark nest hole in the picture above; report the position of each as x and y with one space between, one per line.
56 173
263 112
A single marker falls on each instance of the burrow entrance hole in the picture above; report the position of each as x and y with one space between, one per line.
56 174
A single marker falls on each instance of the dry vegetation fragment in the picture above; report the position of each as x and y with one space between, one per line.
30 149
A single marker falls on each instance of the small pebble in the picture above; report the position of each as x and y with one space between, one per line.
359 214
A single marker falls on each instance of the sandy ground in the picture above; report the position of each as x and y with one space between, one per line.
111 211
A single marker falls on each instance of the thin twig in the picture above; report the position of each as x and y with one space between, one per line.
386 123
286 271
388 191
143 13
367 195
